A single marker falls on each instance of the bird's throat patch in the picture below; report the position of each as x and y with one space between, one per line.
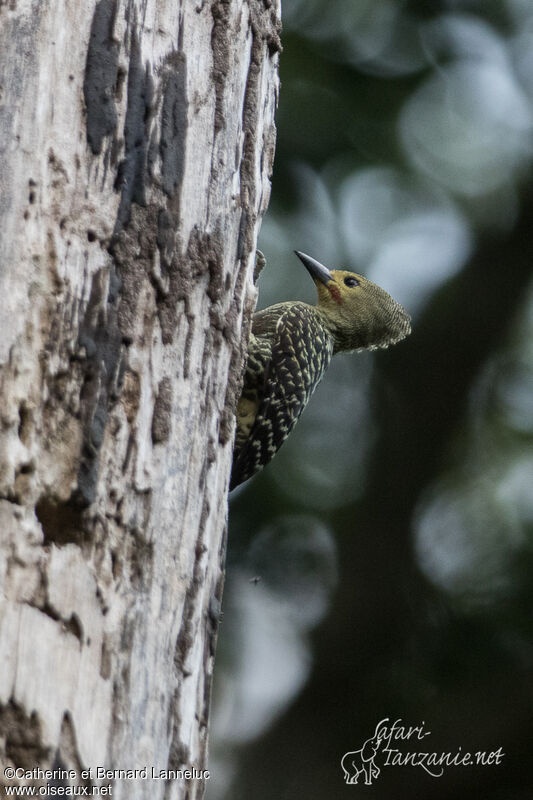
335 293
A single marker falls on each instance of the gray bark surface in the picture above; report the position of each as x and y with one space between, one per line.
136 145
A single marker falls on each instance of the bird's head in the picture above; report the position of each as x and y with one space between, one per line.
358 313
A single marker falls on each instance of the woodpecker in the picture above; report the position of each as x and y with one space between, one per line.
290 347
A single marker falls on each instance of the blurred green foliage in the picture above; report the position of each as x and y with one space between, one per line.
381 566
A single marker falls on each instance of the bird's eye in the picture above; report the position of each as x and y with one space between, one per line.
351 282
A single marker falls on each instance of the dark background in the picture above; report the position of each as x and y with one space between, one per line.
381 565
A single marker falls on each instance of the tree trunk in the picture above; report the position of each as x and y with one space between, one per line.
136 143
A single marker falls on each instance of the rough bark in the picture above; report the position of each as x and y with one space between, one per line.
136 144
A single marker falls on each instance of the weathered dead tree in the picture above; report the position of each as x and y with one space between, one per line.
136 145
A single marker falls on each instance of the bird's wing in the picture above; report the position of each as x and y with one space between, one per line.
265 322
262 338
289 351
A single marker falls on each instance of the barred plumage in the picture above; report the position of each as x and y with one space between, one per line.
290 347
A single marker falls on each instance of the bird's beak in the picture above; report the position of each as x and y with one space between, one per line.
317 270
